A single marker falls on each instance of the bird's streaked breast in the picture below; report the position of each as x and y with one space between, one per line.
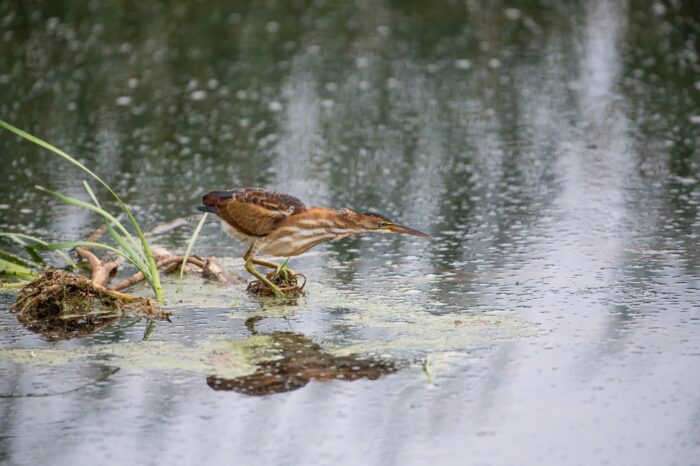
292 240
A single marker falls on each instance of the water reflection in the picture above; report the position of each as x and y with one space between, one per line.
295 360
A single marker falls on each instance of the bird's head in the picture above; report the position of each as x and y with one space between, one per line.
374 222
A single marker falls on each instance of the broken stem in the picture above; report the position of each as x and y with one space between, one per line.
139 277
99 272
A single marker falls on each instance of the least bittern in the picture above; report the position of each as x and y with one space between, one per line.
278 224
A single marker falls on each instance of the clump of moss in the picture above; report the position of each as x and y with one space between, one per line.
61 305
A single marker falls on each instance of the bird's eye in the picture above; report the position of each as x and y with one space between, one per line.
383 224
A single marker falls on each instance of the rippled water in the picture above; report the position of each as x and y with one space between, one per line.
551 150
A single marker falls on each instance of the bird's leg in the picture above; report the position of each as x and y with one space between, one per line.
248 252
280 269
248 258
263 279
272 265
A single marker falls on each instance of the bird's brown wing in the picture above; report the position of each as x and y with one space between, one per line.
254 211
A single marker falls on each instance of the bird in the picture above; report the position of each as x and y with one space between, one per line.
278 224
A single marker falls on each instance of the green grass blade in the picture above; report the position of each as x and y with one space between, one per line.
86 205
11 269
91 194
136 256
19 239
90 244
18 275
190 245
143 266
36 257
12 285
146 248
8 256
428 371
48 146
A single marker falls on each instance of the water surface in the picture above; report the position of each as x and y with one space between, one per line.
551 150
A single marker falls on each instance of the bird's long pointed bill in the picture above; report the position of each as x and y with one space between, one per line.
409 231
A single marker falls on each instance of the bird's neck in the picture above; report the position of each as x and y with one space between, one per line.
325 218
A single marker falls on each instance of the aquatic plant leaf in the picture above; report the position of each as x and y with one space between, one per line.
135 254
20 238
87 244
86 205
14 284
8 256
190 244
14 270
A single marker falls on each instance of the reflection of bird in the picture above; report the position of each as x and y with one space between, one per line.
278 224
291 360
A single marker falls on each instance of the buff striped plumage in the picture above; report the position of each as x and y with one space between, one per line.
294 240
278 224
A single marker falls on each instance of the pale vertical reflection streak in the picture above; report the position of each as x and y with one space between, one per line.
301 139
424 187
69 221
575 250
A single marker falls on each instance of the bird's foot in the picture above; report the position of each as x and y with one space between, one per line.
280 288
263 285
287 281
281 282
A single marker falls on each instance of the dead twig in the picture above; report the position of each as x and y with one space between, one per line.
99 271
97 234
213 270
139 276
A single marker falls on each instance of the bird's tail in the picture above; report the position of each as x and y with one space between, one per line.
210 201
